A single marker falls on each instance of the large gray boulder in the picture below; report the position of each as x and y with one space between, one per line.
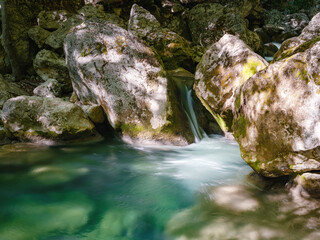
49 65
110 66
309 36
225 66
175 51
45 120
277 117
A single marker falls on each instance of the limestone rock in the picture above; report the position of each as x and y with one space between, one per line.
210 21
95 113
19 17
225 66
39 119
38 35
277 116
310 182
52 20
281 26
113 68
49 65
309 35
174 50
56 38
50 88
8 90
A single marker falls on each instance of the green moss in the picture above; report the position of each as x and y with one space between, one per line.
132 129
250 68
239 127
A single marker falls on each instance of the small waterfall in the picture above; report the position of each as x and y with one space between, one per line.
187 103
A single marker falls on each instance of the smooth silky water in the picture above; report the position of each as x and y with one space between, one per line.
110 190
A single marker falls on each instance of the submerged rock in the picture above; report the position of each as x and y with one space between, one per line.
174 50
110 66
225 66
38 119
49 65
309 36
277 116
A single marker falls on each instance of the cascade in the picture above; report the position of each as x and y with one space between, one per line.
187 103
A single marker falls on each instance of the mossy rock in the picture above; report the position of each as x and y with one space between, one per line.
277 116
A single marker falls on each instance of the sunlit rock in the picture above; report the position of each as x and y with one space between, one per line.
38 35
49 65
309 36
208 22
8 90
56 38
95 113
112 67
52 20
50 88
174 50
225 66
38 119
278 114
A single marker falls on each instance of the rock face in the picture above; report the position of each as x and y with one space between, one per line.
48 66
174 50
277 116
39 119
281 26
111 67
310 34
225 66
209 22
17 18
8 90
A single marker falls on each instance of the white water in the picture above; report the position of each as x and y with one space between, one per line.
187 103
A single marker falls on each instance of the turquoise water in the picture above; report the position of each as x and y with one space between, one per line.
110 190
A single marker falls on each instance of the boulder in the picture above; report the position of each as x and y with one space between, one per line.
310 182
174 50
50 88
52 20
17 18
95 113
210 21
38 35
277 116
39 119
225 66
309 35
280 26
56 38
111 67
8 90
49 65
